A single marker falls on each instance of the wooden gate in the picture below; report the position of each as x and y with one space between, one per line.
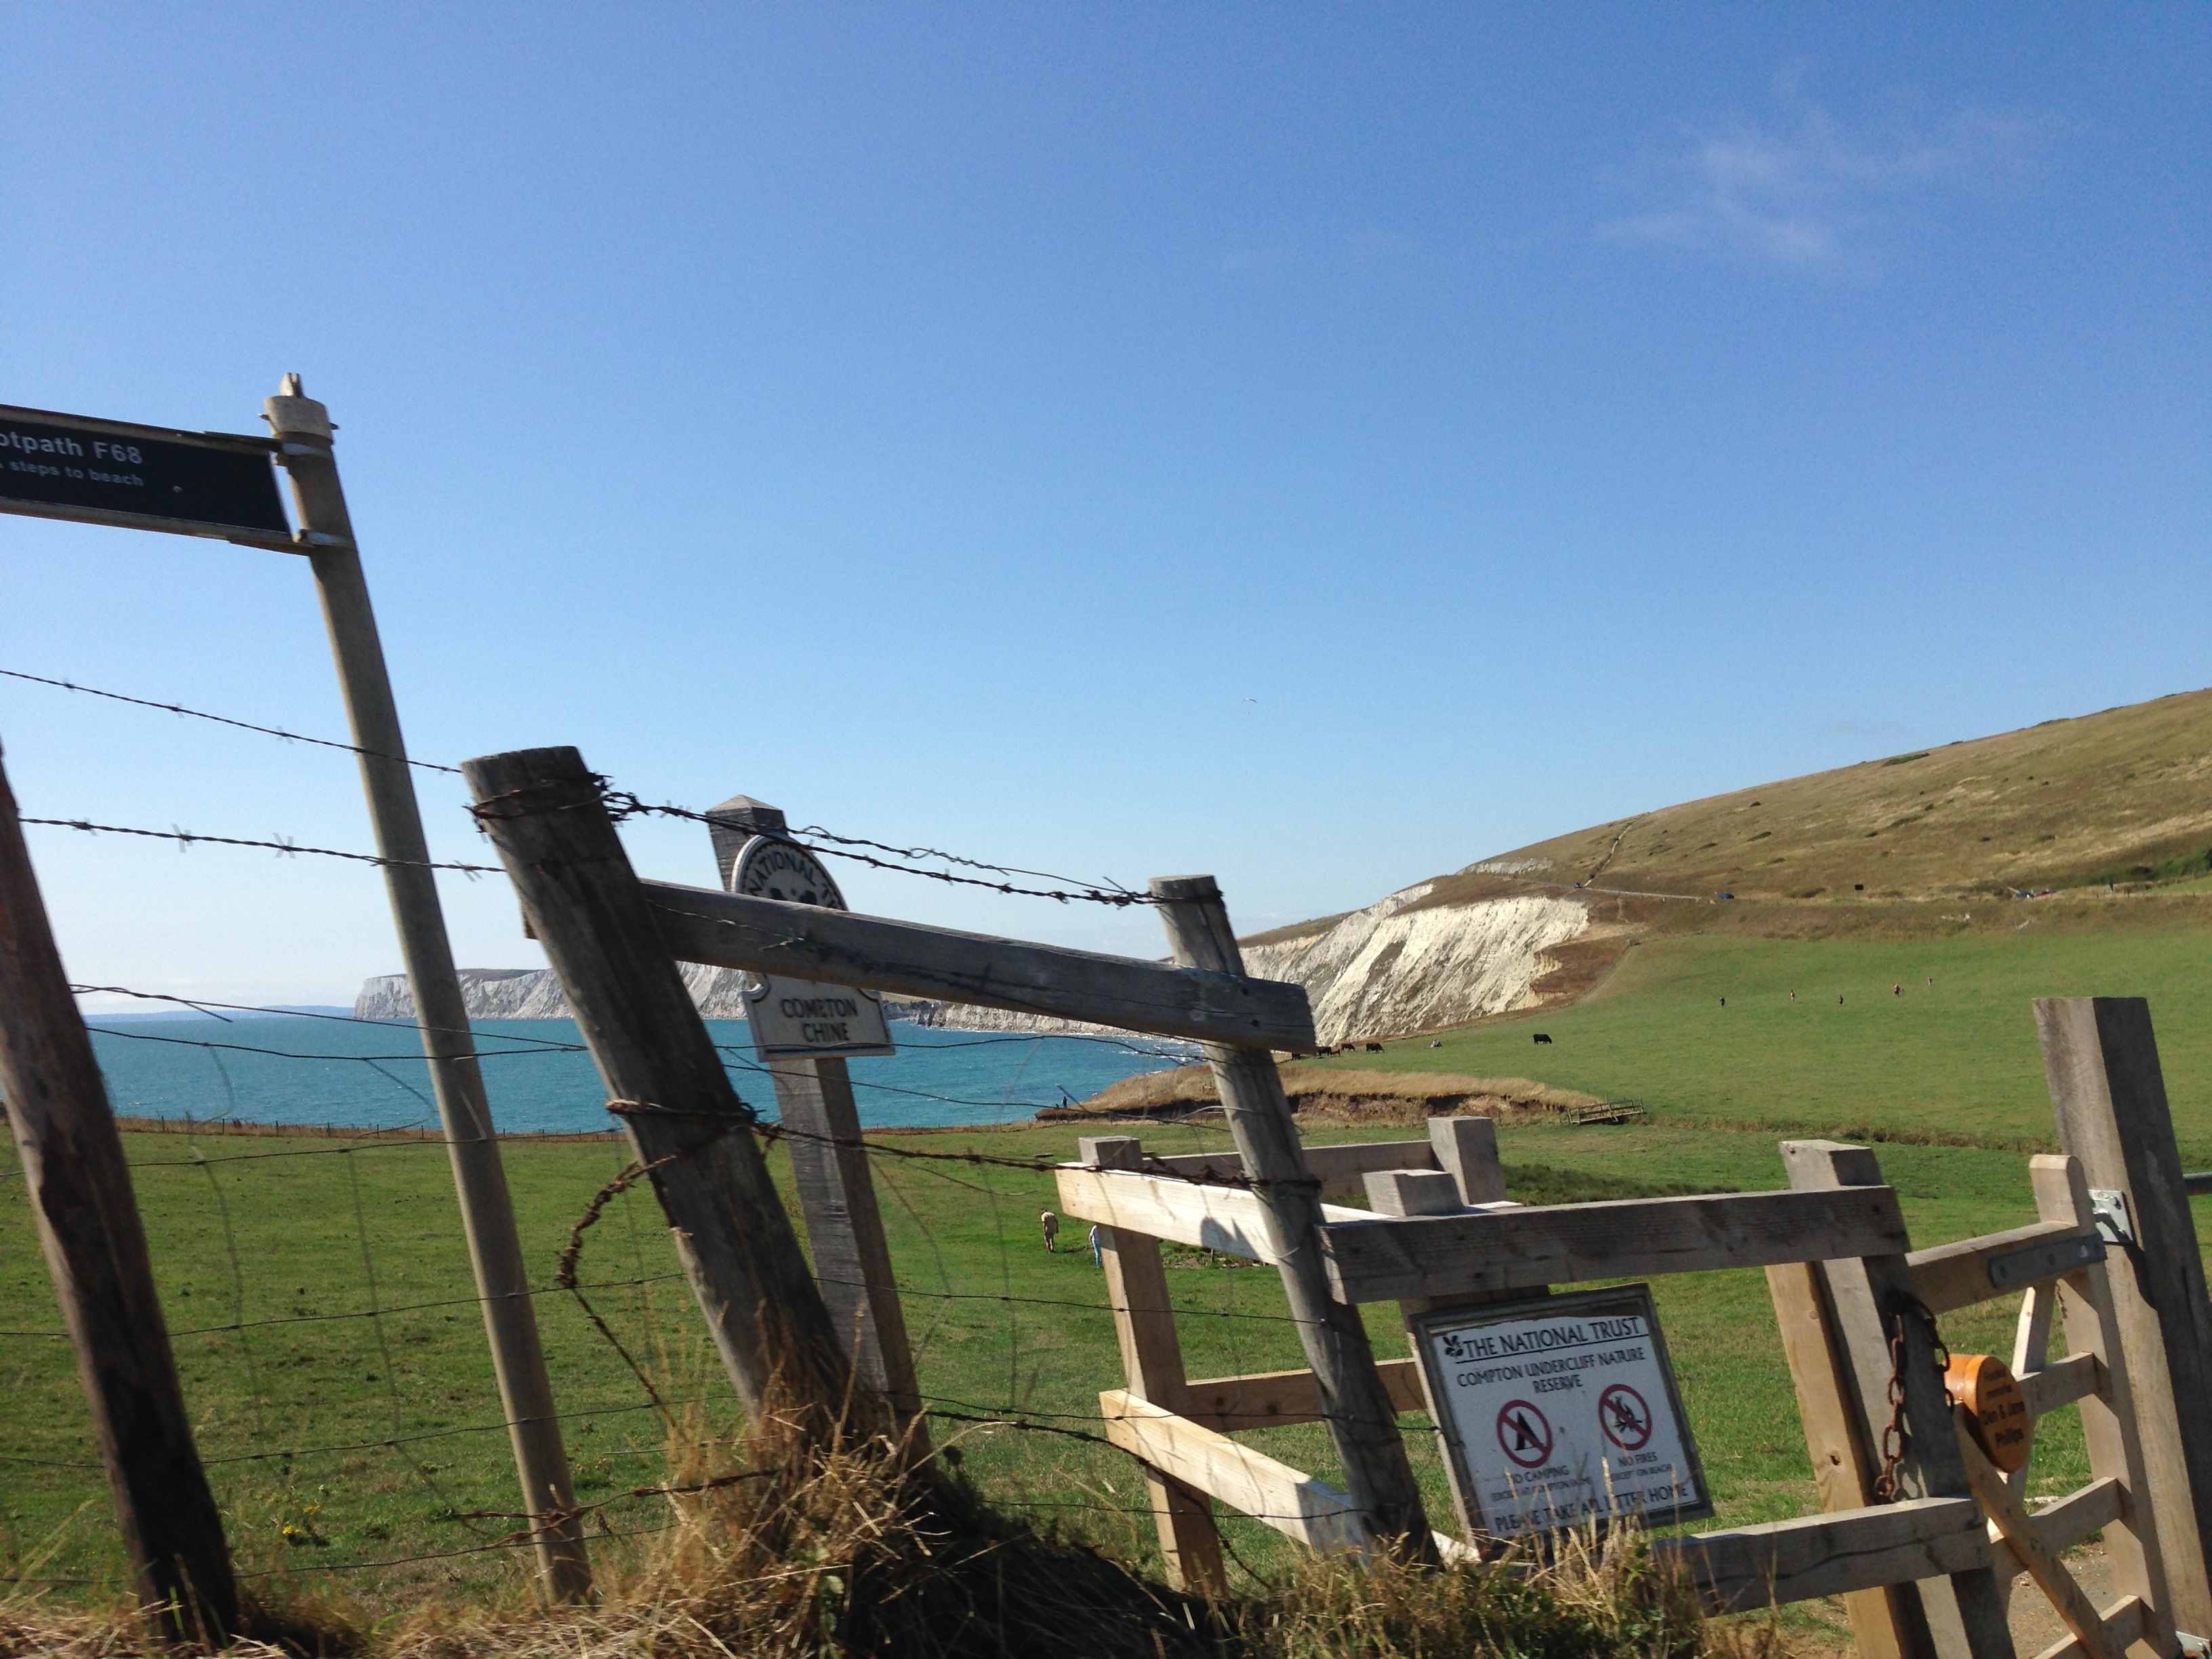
1925 1575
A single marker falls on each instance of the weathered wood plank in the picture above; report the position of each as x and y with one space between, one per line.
768 936
1224 1218
1971 1270
1340 1170
543 811
2125 1622
1271 1400
2108 1096
2060 1384
2071 1520
1151 1362
1833 1554
2137 1549
1294 1504
1960 1615
1885 1621
78 1190
1362 1428
2028 1546
1389 1260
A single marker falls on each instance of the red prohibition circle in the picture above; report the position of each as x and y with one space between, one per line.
1625 1415
1524 1433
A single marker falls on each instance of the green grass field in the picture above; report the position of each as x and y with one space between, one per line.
331 1438
1956 1056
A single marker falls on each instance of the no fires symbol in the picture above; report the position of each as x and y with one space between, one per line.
1524 1433
1625 1417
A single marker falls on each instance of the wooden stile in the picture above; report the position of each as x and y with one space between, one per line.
79 1186
1362 1422
1151 1361
2109 1098
542 809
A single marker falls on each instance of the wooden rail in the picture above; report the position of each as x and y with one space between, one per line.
1372 1259
805 941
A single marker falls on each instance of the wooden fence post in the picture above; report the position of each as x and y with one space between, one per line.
1363 1422
1152 1363
1962 1617
836 1188
2109 1097
96 1248
502 1280
542 812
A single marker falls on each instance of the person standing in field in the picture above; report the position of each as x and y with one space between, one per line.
1097 1248
1049 1224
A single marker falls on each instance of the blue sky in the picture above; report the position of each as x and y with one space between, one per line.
1319 446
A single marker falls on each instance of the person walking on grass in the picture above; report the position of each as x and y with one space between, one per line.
1049 1224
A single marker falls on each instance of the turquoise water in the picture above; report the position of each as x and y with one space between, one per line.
372 1075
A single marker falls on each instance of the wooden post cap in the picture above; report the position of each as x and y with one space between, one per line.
1997 1415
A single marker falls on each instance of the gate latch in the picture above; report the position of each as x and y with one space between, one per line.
2109 1205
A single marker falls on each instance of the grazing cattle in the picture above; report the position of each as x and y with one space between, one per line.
1374 1048
1439 1043
1543 1036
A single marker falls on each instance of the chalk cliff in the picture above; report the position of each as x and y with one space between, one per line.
534 994
1401 966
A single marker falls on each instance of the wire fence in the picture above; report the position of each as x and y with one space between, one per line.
320 1308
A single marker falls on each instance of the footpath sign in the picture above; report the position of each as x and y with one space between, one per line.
141 477
792 1018
1560 1409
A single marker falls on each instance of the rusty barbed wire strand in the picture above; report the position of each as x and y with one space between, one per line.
222 720
188 838
565 1276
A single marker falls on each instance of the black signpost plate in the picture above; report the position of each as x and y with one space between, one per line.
63 466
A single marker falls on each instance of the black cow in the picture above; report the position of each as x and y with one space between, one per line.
1543 1036
1374 1048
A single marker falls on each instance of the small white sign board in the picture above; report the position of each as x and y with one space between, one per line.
1560 1409
793 1018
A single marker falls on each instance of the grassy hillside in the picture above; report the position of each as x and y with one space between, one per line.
1953 1053
2124 795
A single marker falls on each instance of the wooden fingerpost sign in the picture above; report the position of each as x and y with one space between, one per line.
804 1030
79 1187
222 485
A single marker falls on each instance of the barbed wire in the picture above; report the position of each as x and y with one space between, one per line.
289 848
222 720
621 804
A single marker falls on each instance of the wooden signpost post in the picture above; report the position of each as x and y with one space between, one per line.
806 1058
222 485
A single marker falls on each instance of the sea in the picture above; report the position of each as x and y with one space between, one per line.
371 1074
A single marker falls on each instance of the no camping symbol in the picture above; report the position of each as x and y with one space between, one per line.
1524 1433
1625 1415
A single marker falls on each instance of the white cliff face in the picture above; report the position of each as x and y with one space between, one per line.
534 994
1386 969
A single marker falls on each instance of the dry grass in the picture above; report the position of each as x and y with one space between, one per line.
2119 795
837 1553
1336 1095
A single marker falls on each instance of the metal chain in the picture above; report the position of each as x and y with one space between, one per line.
1886 1489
